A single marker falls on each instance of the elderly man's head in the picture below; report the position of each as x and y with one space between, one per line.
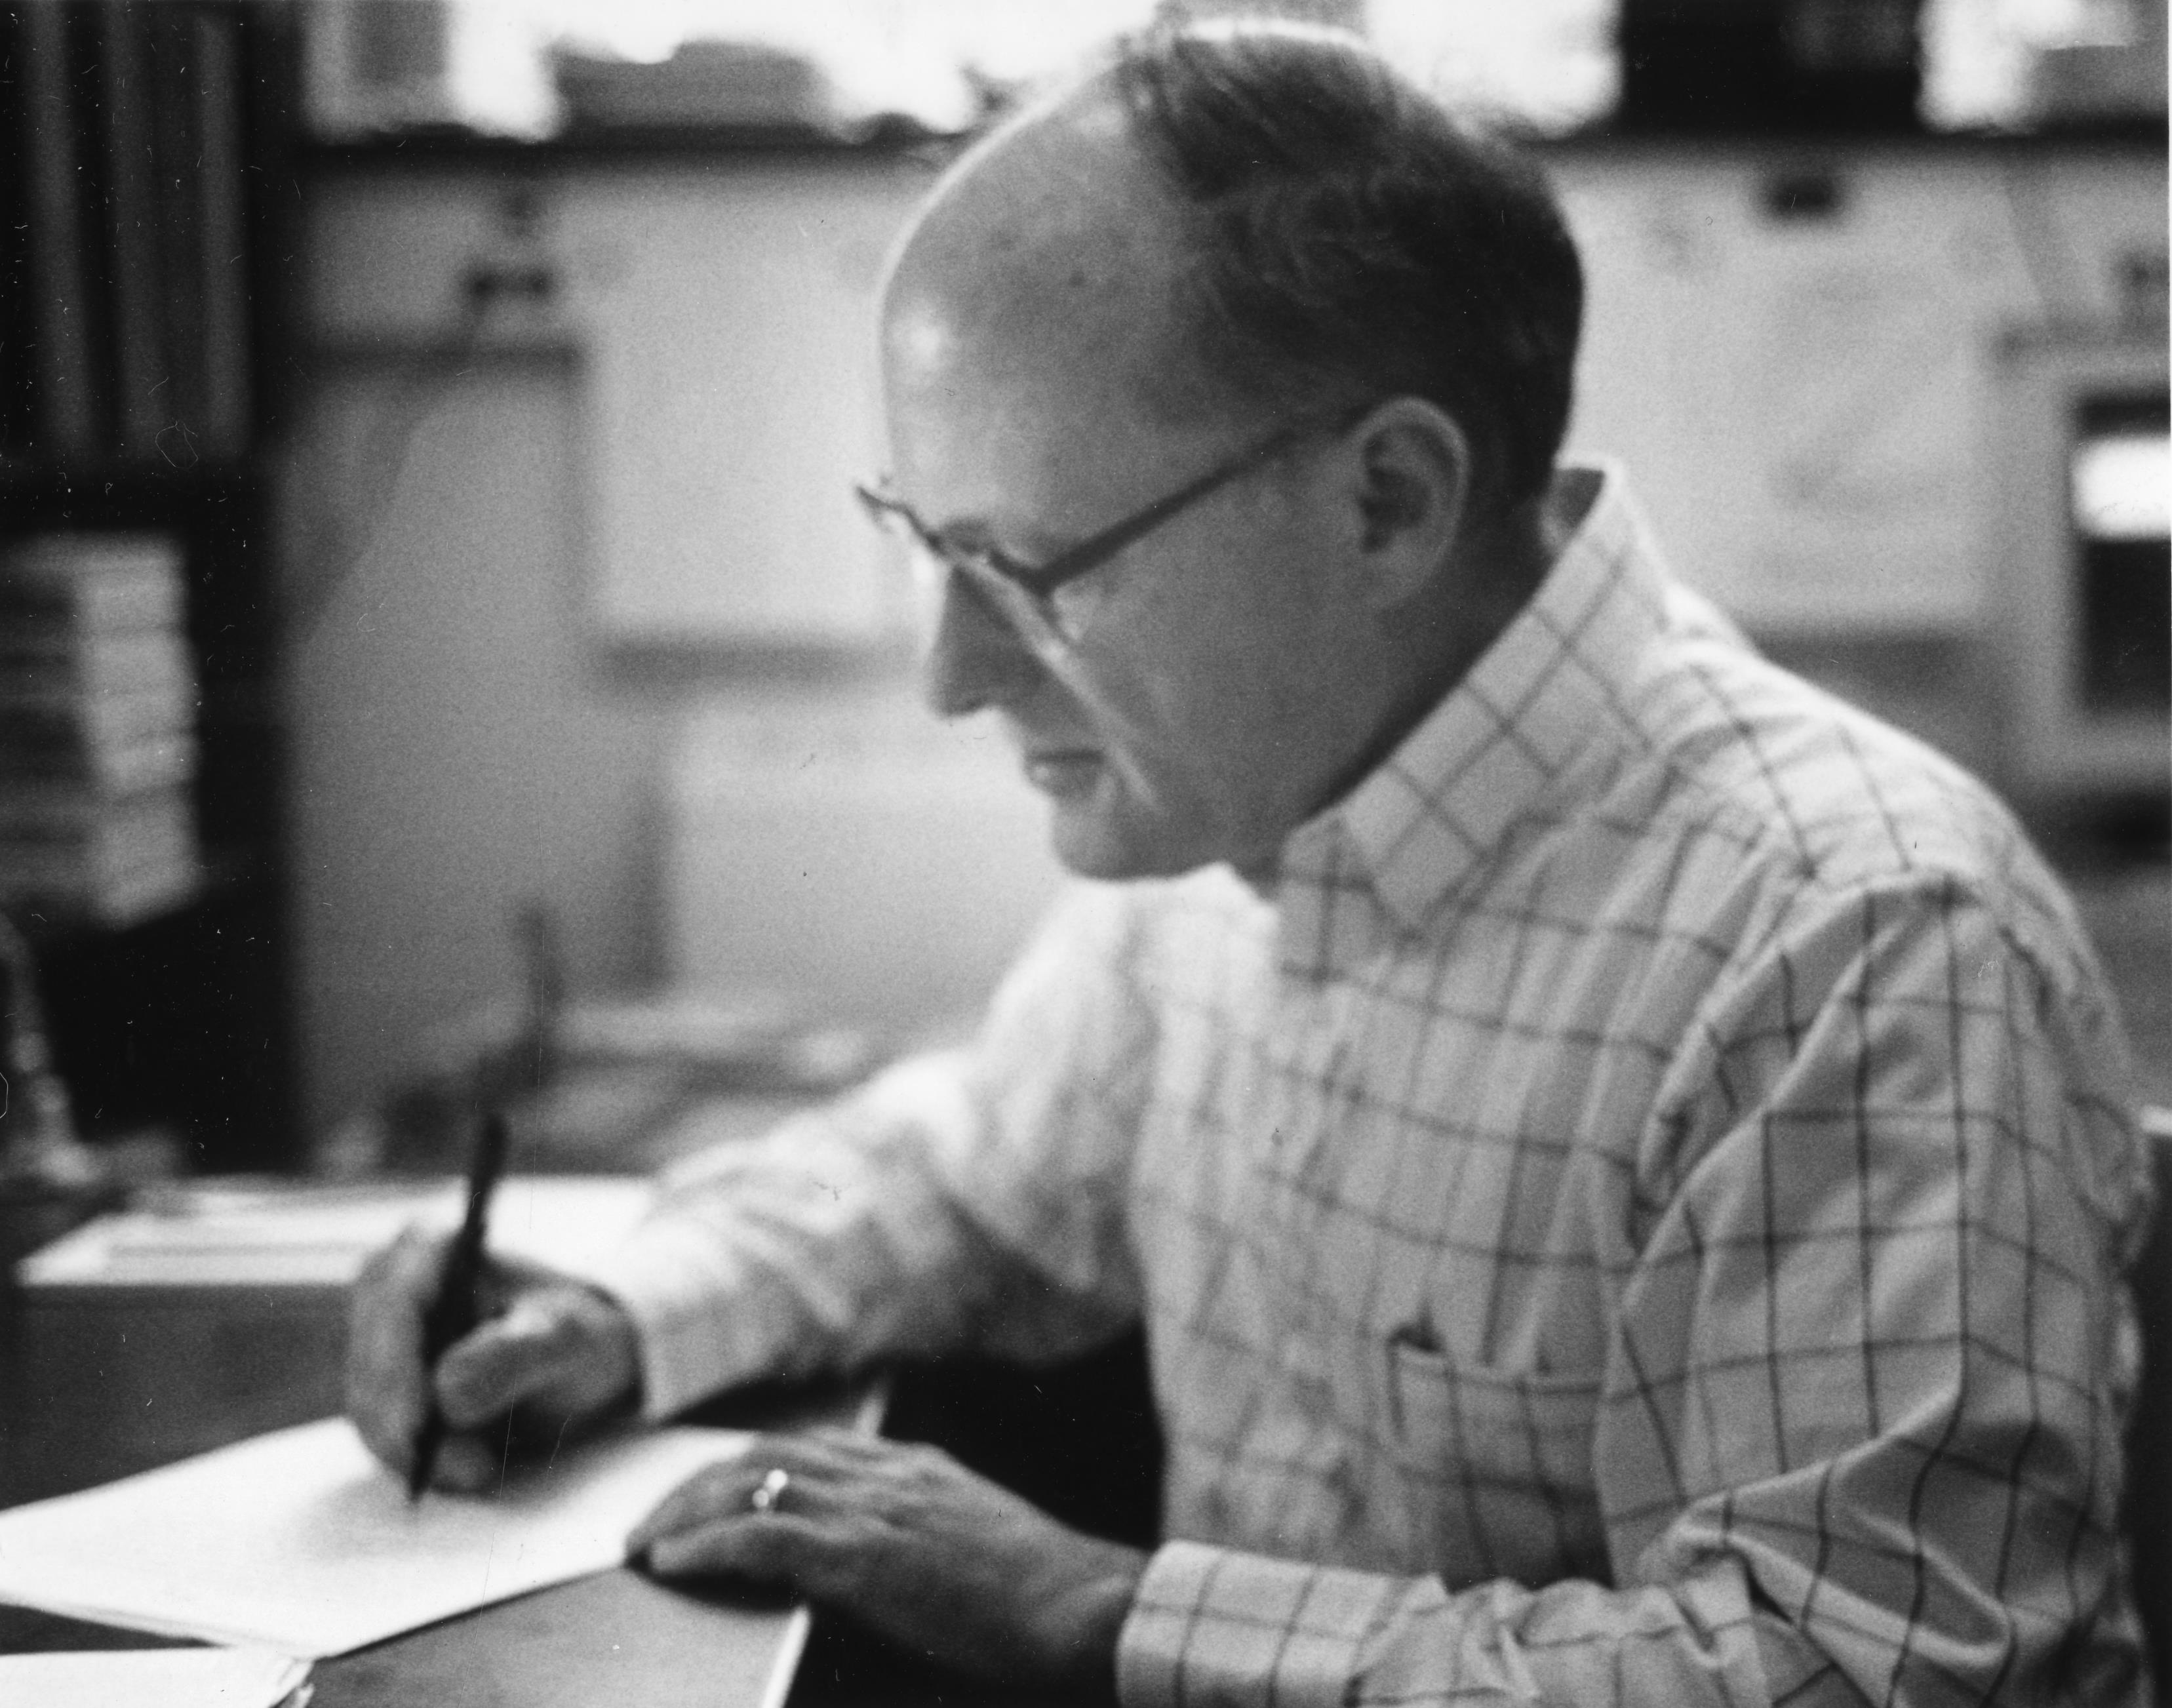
1253 333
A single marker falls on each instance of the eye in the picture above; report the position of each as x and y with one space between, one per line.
1077 601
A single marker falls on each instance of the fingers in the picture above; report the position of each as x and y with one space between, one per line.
913 1545
386 1384
560 1353
822 1467
536 1345
473 1463
717 1492
710 1525
769 1548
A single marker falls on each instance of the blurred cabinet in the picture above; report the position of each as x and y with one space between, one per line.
577 430
2084 620
1795 348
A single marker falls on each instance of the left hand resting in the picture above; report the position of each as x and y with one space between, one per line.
910 1542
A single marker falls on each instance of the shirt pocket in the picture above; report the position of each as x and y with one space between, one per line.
1497 1466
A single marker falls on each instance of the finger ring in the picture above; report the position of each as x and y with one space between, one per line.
771 1490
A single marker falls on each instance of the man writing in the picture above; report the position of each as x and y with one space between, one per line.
1622 1162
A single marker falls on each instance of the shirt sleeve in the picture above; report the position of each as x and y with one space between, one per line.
1859 1438
970 1200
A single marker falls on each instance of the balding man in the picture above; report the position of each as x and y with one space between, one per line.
1623 1162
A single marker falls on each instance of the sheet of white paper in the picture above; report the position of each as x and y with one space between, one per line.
299 1541
321 1236
151 1679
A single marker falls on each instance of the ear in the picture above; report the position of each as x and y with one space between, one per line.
1413 477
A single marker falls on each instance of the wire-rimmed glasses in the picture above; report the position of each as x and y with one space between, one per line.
1036 598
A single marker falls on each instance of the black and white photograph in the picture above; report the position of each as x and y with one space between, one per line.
1192 854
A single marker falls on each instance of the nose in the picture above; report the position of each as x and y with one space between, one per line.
975 659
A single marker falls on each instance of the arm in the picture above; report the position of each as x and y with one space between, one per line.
969 1199
1859 1437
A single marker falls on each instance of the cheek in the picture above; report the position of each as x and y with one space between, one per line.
1211 662
1225 673
1208 775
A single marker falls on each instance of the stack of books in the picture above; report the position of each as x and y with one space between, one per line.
98 750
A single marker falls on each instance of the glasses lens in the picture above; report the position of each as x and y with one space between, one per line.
1030 616
922 562
1041 622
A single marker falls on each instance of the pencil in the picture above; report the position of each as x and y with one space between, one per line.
458 1306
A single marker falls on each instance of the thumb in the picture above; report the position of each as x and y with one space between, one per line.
507 1359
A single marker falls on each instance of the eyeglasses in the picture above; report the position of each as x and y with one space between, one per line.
1028 593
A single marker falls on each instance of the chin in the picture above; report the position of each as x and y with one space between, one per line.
1094 842
1095 854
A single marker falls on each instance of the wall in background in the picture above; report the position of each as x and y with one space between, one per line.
723 311
462 742
560 427
456 744
467 732
1794 349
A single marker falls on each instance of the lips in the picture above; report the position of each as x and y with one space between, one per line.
1063 772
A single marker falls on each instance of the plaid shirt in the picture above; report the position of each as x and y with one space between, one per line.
1635 1217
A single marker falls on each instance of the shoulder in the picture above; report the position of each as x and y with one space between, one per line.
1827 807
1891 911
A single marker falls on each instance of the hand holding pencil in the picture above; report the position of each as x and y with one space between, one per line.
542 1351
446 1346
457 1308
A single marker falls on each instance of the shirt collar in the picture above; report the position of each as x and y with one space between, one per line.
1554 681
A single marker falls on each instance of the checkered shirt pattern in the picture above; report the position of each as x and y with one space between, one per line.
1634 1217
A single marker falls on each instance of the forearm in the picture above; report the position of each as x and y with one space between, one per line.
1214 1625
825 1242
880 1227
973 1198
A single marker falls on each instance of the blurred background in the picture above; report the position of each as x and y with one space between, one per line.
438 651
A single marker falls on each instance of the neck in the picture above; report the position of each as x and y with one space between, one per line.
1431 642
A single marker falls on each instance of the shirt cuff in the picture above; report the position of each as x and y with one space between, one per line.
701 1324
1211 1625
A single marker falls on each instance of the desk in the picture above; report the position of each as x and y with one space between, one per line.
91 1390
613 1638
100 1383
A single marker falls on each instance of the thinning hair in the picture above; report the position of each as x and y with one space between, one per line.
1355 241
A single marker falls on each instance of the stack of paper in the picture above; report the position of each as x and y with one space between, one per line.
154 1678
268 1234
299 1542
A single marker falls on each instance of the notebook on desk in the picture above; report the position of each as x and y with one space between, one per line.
155 1678
269 1233
143 1343
221 1306
297 1542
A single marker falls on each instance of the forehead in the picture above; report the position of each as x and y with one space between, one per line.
1058 216
1036 308
955 393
